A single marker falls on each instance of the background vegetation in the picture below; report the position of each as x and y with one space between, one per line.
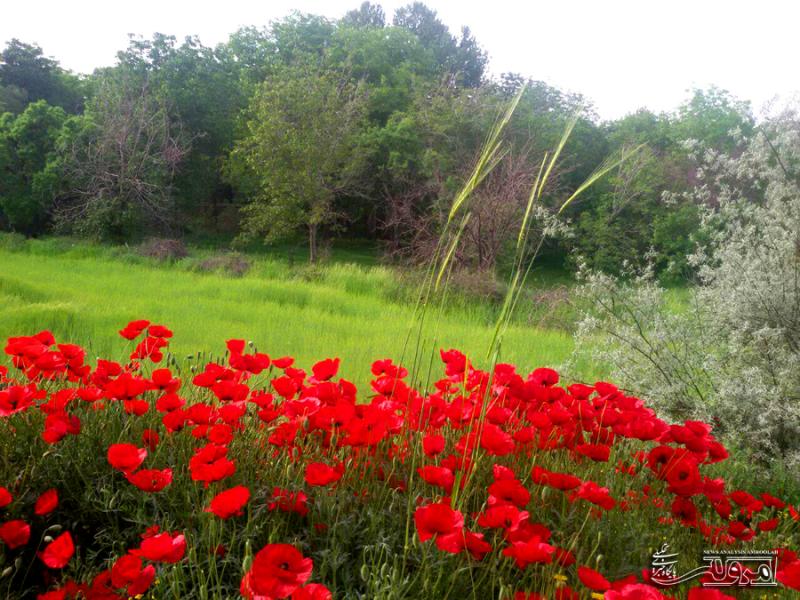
247 141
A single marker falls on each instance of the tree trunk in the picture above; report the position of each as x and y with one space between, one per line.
312 243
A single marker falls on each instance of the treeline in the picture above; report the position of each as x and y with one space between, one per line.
359 127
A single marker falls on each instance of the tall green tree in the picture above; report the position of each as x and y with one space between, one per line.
366 15
27 142
460 58
25 67
299 153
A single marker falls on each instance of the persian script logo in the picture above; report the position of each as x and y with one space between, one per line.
724 569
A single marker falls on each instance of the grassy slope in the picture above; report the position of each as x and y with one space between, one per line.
84 294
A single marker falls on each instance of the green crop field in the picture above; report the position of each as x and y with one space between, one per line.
348 308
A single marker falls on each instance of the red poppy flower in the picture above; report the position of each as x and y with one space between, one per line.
159 331
502 516
496 441
150 438
134 329
597 452
325 369
285 386
127 573
15 534
683 477
46 503
16 398
790 575
57 553
126 457
740 531
283 362
162 547
150 480
635 591
530 551
591 492
593 580
768 525
685 510
320 474
312 591
169 402
455 362
210 463
439 476
476 545
559 481
509 491
230 502
150 347
58 425
287 501
704 593
564 557
441 521
5 497
277 571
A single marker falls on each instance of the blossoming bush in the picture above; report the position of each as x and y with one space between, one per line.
732 352
256 478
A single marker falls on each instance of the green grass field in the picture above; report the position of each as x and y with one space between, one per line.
347 308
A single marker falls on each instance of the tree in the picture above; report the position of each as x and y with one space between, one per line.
118 162
12 99
462 59
710 116
202 89
27 142
298 153
366 15
25 67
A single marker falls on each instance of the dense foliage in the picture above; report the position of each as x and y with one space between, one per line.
419 103
252 475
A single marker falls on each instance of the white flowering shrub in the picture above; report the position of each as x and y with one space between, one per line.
730 350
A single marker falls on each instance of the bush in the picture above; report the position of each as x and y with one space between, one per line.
731 352
230 263
163 250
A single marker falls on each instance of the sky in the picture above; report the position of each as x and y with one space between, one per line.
621 54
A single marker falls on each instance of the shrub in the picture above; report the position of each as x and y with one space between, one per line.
230 263
163 250
731 352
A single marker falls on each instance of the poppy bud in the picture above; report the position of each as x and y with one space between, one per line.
248 556
6 572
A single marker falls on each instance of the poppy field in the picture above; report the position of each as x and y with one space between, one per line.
258 476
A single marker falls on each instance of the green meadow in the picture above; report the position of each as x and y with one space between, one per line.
351 307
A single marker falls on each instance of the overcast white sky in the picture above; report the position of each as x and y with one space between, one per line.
621 54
